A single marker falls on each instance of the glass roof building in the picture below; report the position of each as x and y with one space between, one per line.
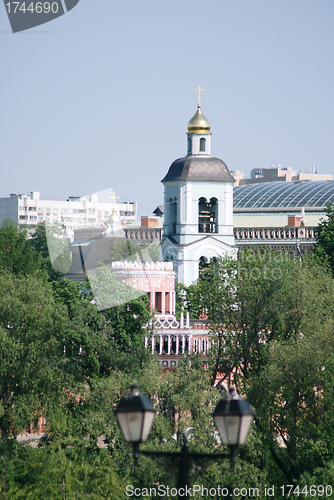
284 196
281 215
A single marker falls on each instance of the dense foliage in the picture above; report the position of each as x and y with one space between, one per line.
324 248
272 326
63 359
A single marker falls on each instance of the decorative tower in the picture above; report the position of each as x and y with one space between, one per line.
199 134
198 205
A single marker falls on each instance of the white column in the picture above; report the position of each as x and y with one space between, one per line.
189 344
180 214
153 344
168 350
188 320
146 342
183 344
163 302
182 321
171 302
161 344
177 344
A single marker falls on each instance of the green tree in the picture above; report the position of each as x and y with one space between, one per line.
122 249
271 322
324 246
98 342
16 254
47 240
31 329
32 364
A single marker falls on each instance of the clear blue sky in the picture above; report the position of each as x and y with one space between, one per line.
101 96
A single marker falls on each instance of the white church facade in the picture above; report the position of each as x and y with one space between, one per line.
198 205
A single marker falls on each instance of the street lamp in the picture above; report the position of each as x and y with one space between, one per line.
232 416
135 415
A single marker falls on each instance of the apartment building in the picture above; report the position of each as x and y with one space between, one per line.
74 213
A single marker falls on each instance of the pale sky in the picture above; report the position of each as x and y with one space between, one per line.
101 97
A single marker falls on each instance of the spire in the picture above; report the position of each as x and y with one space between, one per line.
198 142
198 124
115 225
199 95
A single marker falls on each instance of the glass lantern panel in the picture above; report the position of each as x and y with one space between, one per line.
147 424
246 423
131 425
220 424
232 424
228 428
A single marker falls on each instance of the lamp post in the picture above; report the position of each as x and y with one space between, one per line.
232 416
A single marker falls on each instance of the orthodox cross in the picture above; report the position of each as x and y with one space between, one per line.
114 198
199 90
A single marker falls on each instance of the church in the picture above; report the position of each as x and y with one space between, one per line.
198 205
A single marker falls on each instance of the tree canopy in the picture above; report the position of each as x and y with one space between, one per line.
271 322
324 247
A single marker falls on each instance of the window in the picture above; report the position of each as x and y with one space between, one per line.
173 217
189 146
158 302
207 215
202 142
203 264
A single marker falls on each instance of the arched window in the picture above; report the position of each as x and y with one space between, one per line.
172 217
189 146
203 264
207 215
202 142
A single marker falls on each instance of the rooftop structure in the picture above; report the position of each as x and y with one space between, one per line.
260 175
285 196
74 213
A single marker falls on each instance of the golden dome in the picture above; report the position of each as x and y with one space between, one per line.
198 124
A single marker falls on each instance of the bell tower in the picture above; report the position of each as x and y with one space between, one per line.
198 203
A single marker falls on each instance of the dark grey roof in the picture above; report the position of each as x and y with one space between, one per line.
315 194
159 211
198 168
